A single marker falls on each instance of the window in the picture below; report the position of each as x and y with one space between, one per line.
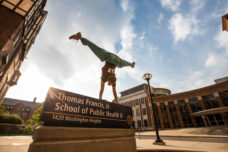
136 102
131 103
139 123
156 113
137 112
142 100
195 105
4 59
184 113
165 115
133 124
210 101
144 111
173 113
224 97
145 123
216 120
199 121
24 114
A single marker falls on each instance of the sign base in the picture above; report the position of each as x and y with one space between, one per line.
68 139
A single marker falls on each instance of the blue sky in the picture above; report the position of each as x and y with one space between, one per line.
181 43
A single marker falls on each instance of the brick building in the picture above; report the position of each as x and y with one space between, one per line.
225 22
21 21
206 106
22 108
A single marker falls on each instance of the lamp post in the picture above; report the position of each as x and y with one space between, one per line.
158 141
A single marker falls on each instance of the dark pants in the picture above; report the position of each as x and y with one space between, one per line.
104 55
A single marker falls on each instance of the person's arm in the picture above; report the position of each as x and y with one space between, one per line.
114 93
101 89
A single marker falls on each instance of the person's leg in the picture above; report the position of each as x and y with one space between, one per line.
102 54
116 60
101 89
99 52
114 93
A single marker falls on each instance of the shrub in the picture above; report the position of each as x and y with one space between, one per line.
27 129
2 109
10 118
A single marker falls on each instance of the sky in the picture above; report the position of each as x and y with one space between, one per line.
180 42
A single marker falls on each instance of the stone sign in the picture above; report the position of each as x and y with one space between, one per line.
62 108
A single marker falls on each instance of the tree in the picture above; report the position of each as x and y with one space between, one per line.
36 117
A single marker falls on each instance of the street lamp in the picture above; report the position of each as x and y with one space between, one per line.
158 141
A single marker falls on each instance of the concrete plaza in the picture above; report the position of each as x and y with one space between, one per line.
197 139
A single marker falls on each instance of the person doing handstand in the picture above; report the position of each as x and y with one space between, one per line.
111 62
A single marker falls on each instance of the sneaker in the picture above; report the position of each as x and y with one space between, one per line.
77 36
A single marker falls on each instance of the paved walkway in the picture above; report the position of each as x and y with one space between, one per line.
190 139
182 139
15 143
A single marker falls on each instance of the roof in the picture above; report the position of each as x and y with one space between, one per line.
10 101
30 104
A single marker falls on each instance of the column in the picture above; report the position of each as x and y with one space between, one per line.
169 115
141 114
160 116
190 112
201 102
150 114
179 114
203 108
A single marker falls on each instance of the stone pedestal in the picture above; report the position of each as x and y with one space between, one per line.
67 139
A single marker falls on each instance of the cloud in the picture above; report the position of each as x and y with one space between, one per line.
183 26
127 36
127 39
218 59
218 11
171 4
222 40
125 5
160 18
142 36
196 5
212 60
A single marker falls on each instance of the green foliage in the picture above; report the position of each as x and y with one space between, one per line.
27 130
10 118
12 129
2 109
36 116
33 123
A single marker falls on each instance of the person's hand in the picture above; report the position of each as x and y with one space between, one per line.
104 100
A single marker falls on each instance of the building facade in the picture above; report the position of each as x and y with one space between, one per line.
206 106
137 98
21 21
22 108
225 22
